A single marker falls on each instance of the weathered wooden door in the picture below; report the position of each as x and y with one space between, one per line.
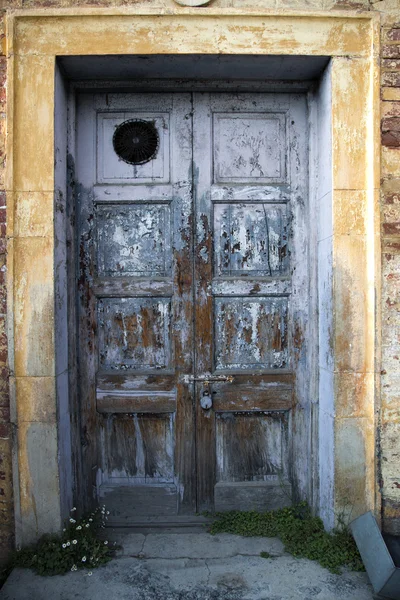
250 294
190 225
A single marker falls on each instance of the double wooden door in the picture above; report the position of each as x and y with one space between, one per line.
191 227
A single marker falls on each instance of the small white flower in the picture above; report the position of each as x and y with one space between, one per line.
74 568
74 541
68 543
108 512
72 509
90 520
105 543
83 558
64 545
72 521
79 527
87 525
64 529
90 573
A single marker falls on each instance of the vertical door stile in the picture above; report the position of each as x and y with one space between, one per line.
302 298
204 328
183 319
87 309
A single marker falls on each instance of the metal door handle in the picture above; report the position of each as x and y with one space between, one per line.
206 379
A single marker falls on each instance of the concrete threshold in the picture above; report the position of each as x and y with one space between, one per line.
193 566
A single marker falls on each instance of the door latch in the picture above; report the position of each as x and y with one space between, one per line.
206 400
206 379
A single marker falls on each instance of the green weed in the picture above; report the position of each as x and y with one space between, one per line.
77 547
303 535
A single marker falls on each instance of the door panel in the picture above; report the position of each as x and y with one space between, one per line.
135 282
192 300
250 190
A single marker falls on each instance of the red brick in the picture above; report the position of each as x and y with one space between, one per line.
391 79
3 79
390 51
391 139
391 228
3 300
390 124
393 34
391 64
6 542
393 198
5 430
4 414
6 514
390 109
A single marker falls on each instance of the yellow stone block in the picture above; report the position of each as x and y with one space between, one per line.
34 124
34 306
351 98
350 212
228 32
354 466
34 214
36 399
38 479
354 395
353 321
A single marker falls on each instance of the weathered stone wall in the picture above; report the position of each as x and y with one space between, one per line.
6 490
388 447
389 430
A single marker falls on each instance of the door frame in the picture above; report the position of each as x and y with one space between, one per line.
349 335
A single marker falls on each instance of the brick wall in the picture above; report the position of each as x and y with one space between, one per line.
390 224
6 491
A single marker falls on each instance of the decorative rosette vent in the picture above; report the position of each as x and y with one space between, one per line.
136 141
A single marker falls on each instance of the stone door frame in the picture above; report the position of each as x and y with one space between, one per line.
349 324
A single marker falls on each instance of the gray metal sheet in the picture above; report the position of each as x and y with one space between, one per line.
382 572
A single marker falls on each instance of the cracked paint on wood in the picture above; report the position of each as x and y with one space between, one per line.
134 333
136 293
134 240
251 239
251 333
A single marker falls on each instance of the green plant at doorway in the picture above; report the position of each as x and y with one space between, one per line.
303 535
78 546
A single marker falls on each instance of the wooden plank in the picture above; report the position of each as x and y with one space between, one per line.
127 287
129 503
136 401
251 398
182 302
152 382
252 495
205 420
241 193
115 194
86 302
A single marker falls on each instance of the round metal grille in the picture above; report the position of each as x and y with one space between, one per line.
136 141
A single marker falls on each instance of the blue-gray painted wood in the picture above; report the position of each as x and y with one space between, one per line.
192 265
